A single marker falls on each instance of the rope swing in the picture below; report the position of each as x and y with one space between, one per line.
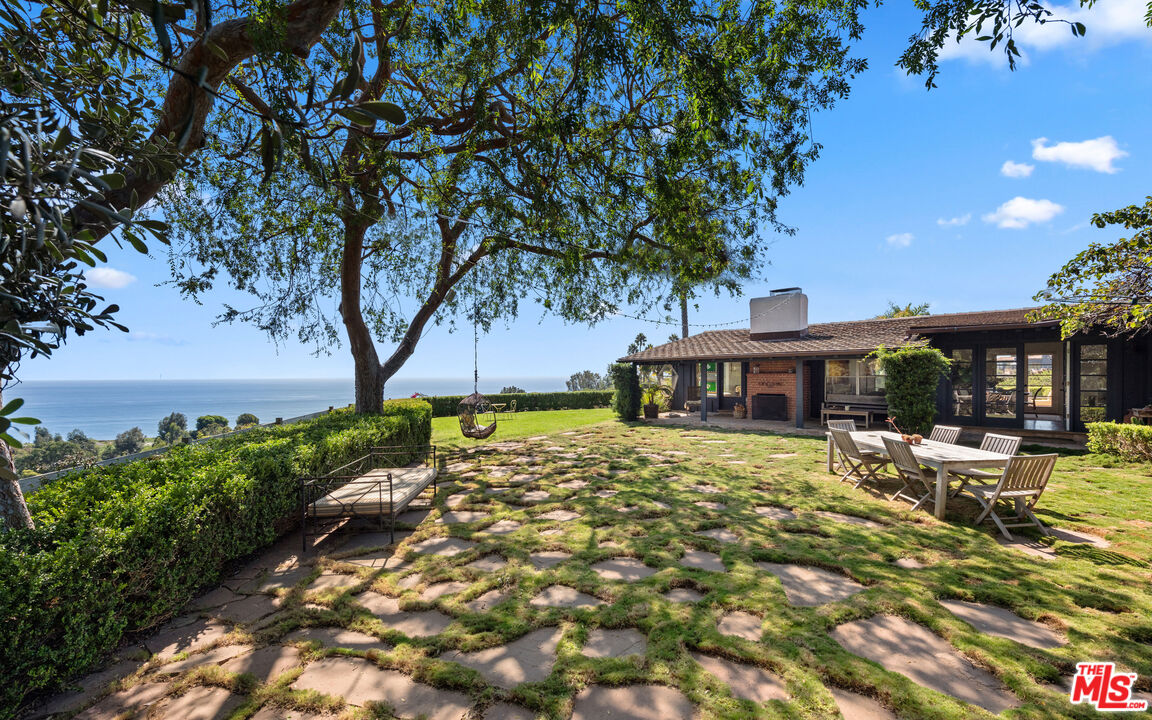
476 407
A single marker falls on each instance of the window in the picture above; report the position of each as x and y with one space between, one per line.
711 369
732 387
664 375
1093 382
962 383
1000 399
853 377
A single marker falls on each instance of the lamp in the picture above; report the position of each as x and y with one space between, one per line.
755 368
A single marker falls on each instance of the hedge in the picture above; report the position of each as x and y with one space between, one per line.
627 388
122 548
911 376
445 405
1124 440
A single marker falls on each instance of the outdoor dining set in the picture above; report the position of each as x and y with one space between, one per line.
937 469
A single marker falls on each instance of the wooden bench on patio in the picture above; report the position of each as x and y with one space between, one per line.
371 486
864 411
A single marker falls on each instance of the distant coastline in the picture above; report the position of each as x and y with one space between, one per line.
104 408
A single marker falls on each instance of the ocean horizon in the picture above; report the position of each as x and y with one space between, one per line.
103 409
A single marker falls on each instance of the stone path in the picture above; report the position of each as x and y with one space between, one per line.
503 527
564 596
857 707
740 624
337 637
548 558
1000 622
360 681
701 560
850 519
603 643
904 647
745 681
623 568
809 586
683 595
774 512
487 601
423 623
632 702
559 515
463 516
528 659
488 563
443 546
723 535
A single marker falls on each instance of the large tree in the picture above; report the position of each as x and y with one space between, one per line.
566 153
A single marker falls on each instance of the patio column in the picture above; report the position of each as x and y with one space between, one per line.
703 391
799 392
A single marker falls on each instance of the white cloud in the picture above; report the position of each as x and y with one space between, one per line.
151 337
1020 212
1097 154
1109 23
106 277
954 222
1016 170
900 240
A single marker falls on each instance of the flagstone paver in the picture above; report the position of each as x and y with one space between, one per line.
909 563
447 547
338 638
457 498
212 657
435 591
118 704
423 623
528 659
604 643
186 638
503 527
272 712
702 560
536 496
623 568
265 664
559 515
359 681
746 681
523 478
775 512
850 519
504 711
572 484
683 595
199 703
1004 623
740 624
409 581
632 702
809 586
220 596
462 516
711 505
335 581
458 467
488 563
904 647
88 687
707 489
487 601
606 493
379 560
564 596
413 517
373 540
548 558
723 535
857 707
553 531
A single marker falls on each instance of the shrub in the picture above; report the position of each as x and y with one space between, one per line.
511 390
121 548
246 419
173 429
129 442
445 405
911 376
626 402
1124 440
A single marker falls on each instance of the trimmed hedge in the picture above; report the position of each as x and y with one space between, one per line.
445 405
625 379
1124 440
912 374
121 548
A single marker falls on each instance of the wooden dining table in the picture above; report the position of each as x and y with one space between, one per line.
942 457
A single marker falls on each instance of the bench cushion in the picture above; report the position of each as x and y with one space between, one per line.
368 494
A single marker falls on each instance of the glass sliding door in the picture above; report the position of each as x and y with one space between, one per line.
1093 383
731 385
963 407
1001 389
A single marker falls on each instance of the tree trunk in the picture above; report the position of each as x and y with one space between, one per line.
683 315
13 509
369 378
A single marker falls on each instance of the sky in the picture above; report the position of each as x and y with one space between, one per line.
966 197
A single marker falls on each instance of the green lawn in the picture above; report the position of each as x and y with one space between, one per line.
446 430
1100 601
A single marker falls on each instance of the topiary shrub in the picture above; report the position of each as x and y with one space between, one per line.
247 419
626 401
911 375
1127 441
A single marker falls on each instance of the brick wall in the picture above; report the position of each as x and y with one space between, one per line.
777 377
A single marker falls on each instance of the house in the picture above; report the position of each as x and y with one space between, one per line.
1007 371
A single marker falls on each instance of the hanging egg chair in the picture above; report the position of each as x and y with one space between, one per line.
477 418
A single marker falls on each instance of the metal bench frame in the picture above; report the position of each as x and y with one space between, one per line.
314 489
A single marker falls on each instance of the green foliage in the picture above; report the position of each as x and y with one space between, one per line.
626 381
1127 441
51 452
172 429
247 419
209 425
511 390
445 405
912 374
587 380
1108 287
122 548
654 394
129 442
909 310
639 344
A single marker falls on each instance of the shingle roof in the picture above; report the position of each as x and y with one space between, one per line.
855 337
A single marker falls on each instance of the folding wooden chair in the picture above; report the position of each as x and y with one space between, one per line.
856 462
945 434
1002 444
911 473
1022 482
849 425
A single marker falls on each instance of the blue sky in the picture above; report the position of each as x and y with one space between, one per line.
966 197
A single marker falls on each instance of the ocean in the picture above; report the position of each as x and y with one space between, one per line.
104 408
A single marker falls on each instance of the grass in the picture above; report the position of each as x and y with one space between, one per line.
1101 601
446 430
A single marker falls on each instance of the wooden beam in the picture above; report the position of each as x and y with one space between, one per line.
703 392
799 392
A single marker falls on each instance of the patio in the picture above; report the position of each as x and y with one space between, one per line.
654 571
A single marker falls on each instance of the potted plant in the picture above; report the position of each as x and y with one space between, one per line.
652 397
739 411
